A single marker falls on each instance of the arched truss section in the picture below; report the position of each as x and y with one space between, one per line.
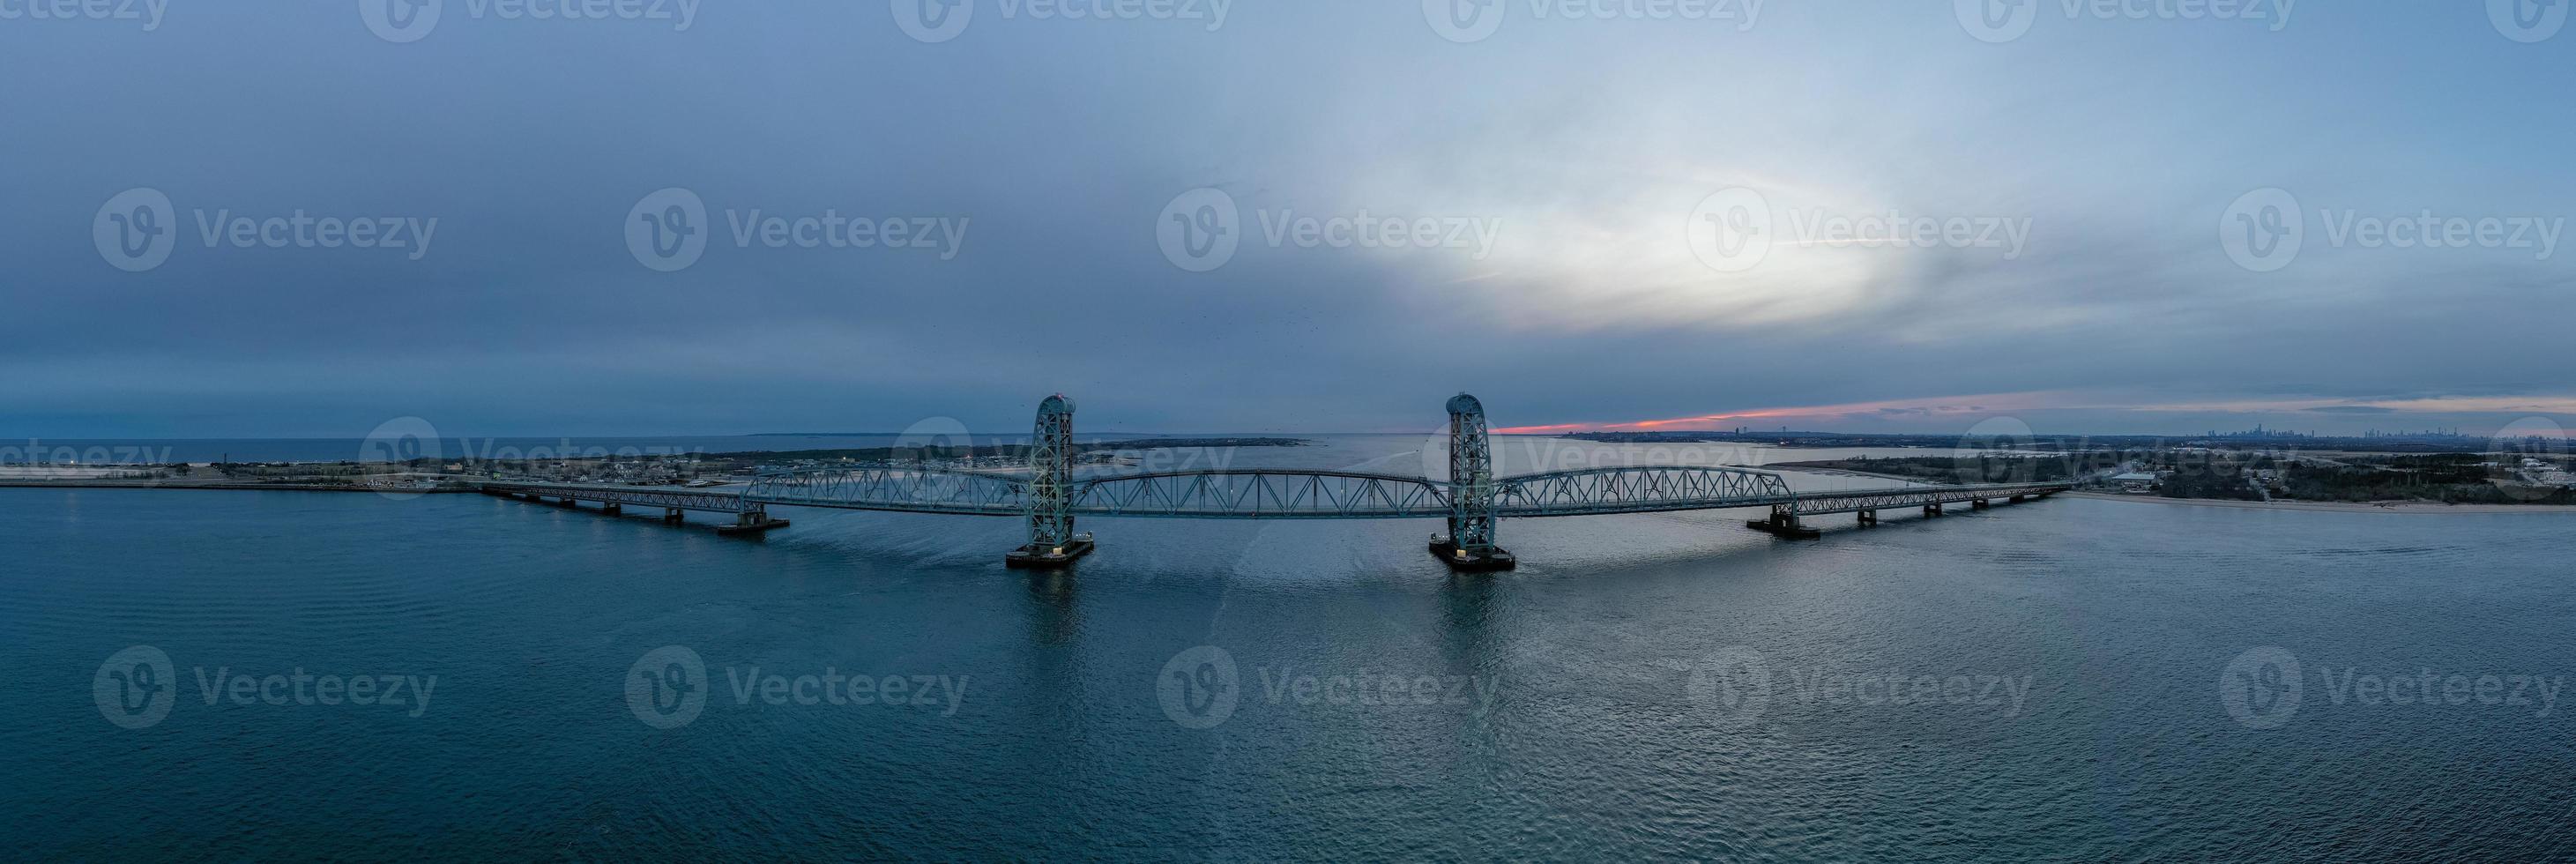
1262 494
1637 489
911 490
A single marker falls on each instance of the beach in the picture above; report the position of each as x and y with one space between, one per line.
2414 507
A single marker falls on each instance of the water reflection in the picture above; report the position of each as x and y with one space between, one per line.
1054 617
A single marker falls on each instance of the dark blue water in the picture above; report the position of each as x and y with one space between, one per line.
1563 718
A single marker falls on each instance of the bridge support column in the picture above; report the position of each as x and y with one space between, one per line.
1981 504
1932 509
753 519
673 515
612 509
1052 542
1469 545
1784 523
1869 518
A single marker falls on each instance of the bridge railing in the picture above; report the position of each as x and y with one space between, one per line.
1309 494
1262 494
1637 489
641 496
911 490
1818 503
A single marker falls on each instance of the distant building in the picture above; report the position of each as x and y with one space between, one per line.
2135 481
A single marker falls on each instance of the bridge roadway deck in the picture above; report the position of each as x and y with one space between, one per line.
1272 495
709 501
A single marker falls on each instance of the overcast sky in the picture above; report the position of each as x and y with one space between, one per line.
1320 215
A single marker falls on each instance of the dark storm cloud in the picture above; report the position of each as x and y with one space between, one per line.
1041 156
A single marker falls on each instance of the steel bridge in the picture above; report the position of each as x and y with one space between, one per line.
1050 494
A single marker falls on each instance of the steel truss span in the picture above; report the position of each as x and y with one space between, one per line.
1472 501
1641 489
1262 494
910 490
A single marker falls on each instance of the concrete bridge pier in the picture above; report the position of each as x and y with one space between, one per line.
612 509
1784 524
673 516
1981 504
1932 509
1868 518
753 520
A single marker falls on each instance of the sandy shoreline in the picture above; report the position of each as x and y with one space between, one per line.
2399 507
